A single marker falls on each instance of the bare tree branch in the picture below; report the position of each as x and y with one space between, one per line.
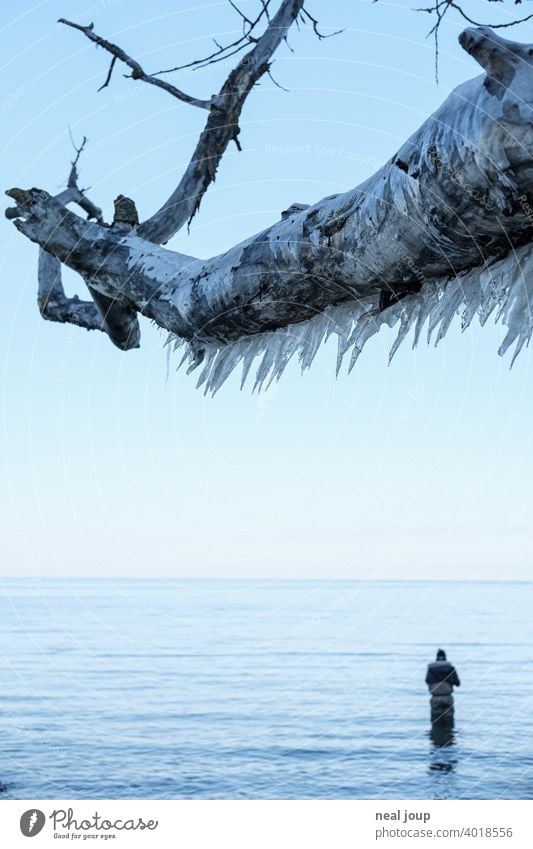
222 125
137 72
221 128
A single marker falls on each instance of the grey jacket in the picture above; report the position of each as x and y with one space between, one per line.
441 678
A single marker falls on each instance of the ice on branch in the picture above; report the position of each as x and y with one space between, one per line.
504 289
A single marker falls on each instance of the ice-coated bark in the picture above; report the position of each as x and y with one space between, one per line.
444 226
505 290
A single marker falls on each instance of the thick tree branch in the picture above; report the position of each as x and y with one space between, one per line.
107 314
54 304
102 313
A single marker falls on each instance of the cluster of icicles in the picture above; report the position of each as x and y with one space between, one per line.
505 287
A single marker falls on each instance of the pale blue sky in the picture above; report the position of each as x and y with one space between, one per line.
419 470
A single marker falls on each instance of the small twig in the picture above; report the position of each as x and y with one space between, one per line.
204 63
278 85
137 71
74 193
72 181
286 40
264 4
320 35
492 26
451 4
225 51
243 16
109 73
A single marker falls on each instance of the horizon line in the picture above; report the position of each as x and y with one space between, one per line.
264 579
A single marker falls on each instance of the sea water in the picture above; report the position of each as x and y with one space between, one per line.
161 689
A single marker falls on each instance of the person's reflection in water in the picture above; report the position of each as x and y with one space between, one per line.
442 736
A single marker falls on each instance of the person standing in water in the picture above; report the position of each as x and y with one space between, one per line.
441 678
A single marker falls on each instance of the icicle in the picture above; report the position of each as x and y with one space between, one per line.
518 317
280 346
316 331
427 299
366 326
408 315
266 364
292 341
444 311
247 360
186 356
210 356
226 361
473 295
342 344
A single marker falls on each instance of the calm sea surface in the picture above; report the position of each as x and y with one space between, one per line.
253 689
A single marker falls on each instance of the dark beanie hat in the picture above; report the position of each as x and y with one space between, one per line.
441 654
